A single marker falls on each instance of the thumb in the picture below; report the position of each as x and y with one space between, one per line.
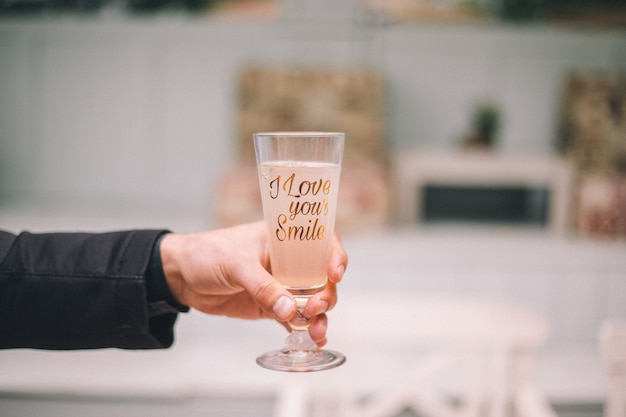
268 293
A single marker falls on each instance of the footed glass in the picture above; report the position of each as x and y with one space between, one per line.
299 180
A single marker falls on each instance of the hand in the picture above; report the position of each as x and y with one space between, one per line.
225 272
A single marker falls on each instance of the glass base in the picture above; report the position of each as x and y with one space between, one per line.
301 360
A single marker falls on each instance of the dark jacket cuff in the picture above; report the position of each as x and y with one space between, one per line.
160 298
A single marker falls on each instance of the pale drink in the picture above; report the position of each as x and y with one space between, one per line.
299 202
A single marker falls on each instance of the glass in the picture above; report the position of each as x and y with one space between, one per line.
299 180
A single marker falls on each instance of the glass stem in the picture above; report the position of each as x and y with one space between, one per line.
299 339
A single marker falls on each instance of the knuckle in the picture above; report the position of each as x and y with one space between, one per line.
263 290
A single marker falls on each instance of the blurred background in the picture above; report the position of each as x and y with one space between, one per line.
485 159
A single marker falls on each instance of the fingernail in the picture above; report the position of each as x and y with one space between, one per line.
283 306
321 307
340 271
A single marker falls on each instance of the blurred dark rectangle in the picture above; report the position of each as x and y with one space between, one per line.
41 6
485 204
9 7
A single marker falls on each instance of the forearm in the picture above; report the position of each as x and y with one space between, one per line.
78 291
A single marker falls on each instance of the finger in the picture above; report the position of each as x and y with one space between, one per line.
321 302
338 260
317 330
266 291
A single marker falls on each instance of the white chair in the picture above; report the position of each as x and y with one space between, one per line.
612 347
439 355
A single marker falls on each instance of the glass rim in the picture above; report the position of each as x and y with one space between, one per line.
300 134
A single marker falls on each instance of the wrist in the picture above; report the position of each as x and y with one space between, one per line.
171 273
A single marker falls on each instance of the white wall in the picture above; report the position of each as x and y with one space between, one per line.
129 110
437 73
125 110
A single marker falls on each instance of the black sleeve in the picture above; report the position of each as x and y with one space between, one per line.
84 291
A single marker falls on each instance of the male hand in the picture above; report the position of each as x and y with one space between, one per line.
226 272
